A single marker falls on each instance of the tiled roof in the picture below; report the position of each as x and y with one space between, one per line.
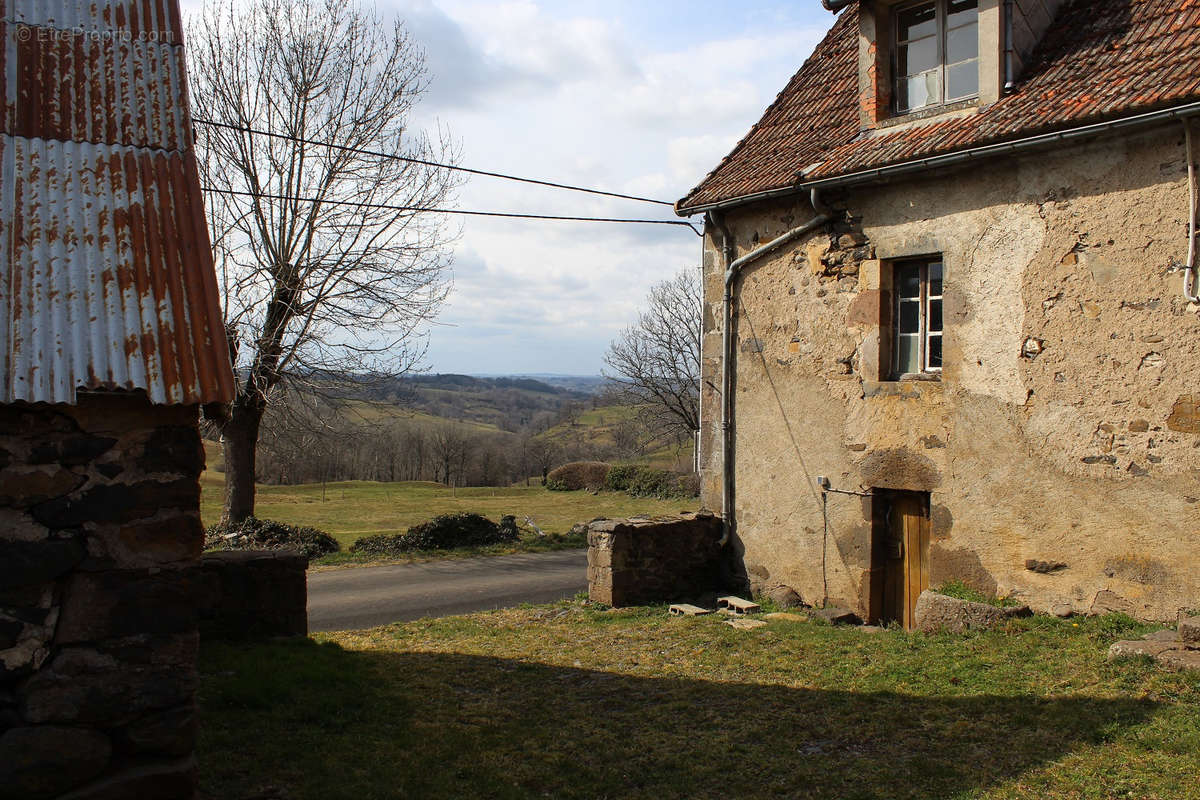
1100 60
108 278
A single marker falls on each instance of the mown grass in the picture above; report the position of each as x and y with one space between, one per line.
570 701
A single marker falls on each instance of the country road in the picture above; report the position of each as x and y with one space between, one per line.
364 597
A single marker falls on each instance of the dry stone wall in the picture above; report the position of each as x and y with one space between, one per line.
640 561
99 527
252 594
1063 428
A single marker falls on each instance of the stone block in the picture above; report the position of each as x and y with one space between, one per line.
1185 414
110 605
784 597
175 449
47 760
836 616
745 624
30 563
937 612
1189 630
75 450
21 487
166 733
118 503
85 685
246 594
1043 567
170 539
653 560
1181 659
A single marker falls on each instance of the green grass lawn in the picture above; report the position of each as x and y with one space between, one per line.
348 511
570 701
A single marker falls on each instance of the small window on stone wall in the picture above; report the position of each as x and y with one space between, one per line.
917 318
936 53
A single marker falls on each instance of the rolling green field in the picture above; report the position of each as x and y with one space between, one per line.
573 701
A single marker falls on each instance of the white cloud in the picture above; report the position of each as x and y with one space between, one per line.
627 96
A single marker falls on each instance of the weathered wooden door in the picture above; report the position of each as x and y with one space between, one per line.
907 568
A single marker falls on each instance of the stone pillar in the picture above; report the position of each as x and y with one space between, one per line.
641 561
99 536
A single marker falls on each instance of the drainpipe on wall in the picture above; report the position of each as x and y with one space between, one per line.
1009 83
1189 271
733 268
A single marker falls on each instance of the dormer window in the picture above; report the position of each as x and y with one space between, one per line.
937 53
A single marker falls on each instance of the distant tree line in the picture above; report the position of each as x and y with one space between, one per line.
308 438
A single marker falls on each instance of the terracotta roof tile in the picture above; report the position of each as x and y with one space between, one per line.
1101 59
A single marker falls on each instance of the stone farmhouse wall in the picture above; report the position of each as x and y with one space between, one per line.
99 527
1064 428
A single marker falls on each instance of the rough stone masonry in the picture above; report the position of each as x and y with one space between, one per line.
99 527
638 561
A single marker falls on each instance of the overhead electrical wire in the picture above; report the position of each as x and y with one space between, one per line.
424 162
462 212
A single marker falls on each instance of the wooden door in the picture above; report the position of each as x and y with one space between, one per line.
907 551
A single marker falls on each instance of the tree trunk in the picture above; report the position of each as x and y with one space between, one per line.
239 439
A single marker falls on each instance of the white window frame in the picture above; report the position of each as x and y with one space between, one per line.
942 34
924 334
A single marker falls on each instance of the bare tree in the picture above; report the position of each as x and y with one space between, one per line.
656 362
329 256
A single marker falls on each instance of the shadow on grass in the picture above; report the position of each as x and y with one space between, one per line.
320 722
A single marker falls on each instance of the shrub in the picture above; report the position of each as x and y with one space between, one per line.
577 475
264 534
641 481
440 533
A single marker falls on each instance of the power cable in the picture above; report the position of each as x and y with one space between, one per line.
410 160
507 214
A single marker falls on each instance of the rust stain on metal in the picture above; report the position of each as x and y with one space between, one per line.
110 281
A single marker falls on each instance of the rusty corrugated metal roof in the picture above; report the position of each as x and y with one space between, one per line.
1100 60
109 280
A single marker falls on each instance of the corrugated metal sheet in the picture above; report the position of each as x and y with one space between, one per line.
109 281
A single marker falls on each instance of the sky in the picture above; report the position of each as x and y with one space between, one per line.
627 96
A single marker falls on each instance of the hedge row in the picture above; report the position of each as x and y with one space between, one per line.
264 534
444 532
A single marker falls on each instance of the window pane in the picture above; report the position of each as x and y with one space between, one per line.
962 12
934 351
915 22
962 44
935 316
910 316
935 279
917 57
962 80
908 281
908 353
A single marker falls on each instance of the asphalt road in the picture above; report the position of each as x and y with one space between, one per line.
364 597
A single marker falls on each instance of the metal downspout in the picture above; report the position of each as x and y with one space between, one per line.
1189 270
733 268
1009 82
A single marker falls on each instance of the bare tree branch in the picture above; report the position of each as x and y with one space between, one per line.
656 362
314 289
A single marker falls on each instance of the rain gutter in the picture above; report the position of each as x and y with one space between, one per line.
956 158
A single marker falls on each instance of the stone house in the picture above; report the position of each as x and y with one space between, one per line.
950 322
111 340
